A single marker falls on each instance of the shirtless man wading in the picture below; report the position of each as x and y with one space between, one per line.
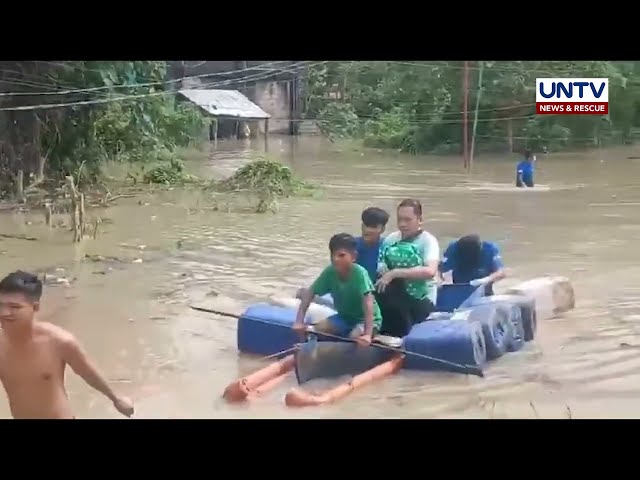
34 355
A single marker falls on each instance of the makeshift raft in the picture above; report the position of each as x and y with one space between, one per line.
467 331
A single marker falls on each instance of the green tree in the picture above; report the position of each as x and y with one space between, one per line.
101 111
417 106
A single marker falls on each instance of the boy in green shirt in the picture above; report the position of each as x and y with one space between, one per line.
349 284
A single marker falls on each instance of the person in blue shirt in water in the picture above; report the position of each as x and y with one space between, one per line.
374 222
474 261
525 170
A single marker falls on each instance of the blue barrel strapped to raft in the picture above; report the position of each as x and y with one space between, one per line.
467 328
265 329
454 295
519 333
450 340
497 326
527 310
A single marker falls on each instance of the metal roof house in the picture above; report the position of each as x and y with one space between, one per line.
275 86
226 105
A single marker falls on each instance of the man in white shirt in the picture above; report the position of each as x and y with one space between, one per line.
407 266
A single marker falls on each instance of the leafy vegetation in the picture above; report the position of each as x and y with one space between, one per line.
82 121
113 112
171 172
145 128
268 181
417 106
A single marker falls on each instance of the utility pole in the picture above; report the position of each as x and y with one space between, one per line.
465 108
475 118
293 86
244 84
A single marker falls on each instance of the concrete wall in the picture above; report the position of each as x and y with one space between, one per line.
270 95
274 98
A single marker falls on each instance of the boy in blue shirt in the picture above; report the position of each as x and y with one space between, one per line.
525 170
374 222
473 261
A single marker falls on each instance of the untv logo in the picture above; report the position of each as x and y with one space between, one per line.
572 96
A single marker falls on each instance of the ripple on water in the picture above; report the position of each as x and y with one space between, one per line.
176 362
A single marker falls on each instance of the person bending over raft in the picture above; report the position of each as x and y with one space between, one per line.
474 261
358 314
34 355
525 170
407 266
374 221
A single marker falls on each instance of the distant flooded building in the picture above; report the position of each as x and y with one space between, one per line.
273 86
233 114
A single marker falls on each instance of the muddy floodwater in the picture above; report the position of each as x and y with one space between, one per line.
583 222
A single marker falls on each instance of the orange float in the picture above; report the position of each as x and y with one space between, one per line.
298 397
260 381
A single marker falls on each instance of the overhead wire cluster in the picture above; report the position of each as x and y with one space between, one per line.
272 71
106 94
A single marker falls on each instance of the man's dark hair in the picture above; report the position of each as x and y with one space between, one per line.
342 241
413 203
528 155
374 217
22 282
469 249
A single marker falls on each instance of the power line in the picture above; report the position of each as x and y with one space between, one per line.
445 122
256 77
436 114
460 67
40 76
566 71
92 89
148 84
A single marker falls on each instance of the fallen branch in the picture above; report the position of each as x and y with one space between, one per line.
116 197
18 237
34 185
12 206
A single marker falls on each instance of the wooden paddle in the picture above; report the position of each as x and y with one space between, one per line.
468 369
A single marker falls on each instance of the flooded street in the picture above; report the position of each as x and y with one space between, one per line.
583 222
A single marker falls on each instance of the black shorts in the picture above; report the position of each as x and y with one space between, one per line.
524 183
400 311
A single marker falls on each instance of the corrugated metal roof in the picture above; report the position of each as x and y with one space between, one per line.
225 103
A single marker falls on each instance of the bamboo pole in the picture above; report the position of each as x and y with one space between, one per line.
475 119
81 215
48 215
77 210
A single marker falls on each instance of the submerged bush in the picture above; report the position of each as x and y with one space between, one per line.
267 180
171 172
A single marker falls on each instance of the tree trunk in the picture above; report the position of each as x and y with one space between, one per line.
20 186
40 170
